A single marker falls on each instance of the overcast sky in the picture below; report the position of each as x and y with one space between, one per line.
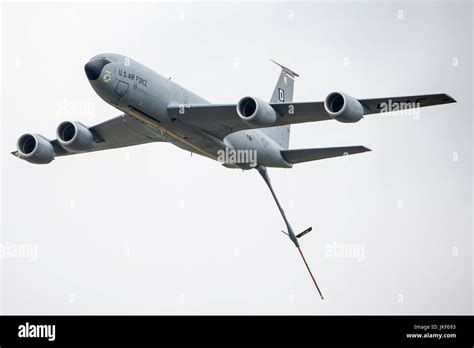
152 230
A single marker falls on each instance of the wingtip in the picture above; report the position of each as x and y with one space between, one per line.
449 99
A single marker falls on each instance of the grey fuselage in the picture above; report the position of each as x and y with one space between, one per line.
145 95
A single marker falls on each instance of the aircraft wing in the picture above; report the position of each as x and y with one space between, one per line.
222 119
117 132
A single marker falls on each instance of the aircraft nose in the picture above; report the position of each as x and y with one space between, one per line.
94 68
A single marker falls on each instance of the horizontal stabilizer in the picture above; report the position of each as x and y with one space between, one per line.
306 155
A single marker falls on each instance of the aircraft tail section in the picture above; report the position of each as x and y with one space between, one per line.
306 155
283 92
284 88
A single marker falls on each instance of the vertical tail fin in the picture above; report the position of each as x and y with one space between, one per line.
283 93
284 88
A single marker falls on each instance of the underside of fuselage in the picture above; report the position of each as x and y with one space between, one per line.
239 150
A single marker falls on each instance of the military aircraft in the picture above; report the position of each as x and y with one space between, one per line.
249 134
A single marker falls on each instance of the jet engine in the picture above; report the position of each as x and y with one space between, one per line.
255 112
343 107
34 148
74 137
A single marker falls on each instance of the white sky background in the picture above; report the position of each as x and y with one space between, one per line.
151 230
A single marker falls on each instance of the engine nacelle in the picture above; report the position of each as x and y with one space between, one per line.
255 112
34 148
74 137
343 107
